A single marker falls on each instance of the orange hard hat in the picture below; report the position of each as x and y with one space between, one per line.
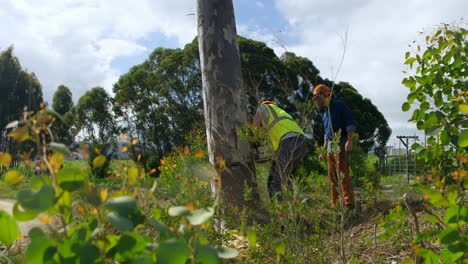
268 102
323 89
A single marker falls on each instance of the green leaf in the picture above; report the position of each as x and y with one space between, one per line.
120 222
9 230
464 213
427 235
36 250
124 205
65 251
444 137
447 256
405 107
432 219
206 254
200 216
280 248
409 82
37 201
252 237
410 60
60 148
432 131
179 211
164 231
428 255
417 147
23 215
227 253
451 215
130 245
36 233
99 161
452 253
173 251
89 253
407 54
449 236
71 179
407 261
463 139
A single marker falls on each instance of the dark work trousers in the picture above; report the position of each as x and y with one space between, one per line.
287 159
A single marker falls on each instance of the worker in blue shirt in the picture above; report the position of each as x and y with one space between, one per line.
341 120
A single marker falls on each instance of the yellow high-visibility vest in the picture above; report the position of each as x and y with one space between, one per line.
279 124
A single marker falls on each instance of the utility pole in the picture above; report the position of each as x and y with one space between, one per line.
405 141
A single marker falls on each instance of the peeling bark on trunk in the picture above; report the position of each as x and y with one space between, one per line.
224 101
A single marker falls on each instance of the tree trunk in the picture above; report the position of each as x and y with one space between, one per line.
225 103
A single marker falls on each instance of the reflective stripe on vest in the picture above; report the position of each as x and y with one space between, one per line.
279 124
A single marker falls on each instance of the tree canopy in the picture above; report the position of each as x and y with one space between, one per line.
160 100
19 89
62 104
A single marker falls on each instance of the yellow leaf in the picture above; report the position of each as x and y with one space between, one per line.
13 177
21 134
190 206
85 150
82 210
220 162
139 157
204 182
103 194
99 161
56 161
174 166
463 108
95 211
132 175
123 136
152 171
199 153
44 119
44 219
124 149
134 141
5 159
186 150
162 162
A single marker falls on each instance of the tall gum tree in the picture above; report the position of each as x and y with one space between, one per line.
225 103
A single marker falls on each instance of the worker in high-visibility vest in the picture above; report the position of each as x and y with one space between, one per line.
287 141
341 120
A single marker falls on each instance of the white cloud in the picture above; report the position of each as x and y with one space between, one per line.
378 36
259 4
73 42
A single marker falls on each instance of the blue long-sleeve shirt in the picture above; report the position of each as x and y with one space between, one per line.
341 119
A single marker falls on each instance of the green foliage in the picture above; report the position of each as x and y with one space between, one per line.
438 95
10 229
94 117
360 173
106 225
393 225
62 103
161 99
100 156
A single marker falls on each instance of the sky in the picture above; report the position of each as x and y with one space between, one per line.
88 43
